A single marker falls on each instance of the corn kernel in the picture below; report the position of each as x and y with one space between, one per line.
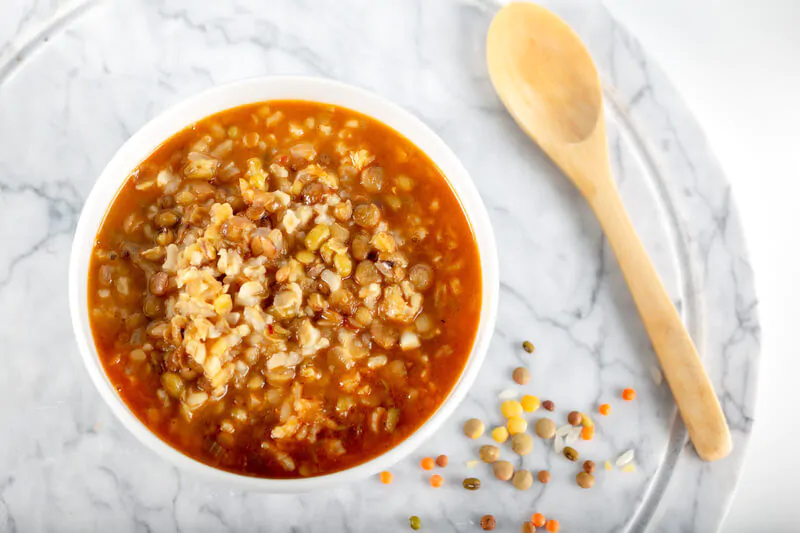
305 257
516 425
530 403
500 434
317 236
343 264
511 408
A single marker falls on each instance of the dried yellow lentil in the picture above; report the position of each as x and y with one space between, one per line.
516 425
608 465
500 434
586 421
511 408
630 467
530 403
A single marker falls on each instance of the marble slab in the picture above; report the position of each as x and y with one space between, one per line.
78 78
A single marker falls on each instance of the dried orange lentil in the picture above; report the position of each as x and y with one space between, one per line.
587 433
386 477
628 394
442 461
427 463
538 519
552 526
436 481
605 409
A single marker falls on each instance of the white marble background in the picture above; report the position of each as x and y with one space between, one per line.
76 79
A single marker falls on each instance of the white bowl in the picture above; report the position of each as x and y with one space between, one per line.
147 139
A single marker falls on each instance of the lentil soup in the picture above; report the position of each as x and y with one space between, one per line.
285 289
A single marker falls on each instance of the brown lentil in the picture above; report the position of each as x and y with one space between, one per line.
571 453
528 527
521 375
549 405
528 346
522 443
545 428
503 470
488 522
585 480
442 461
473 428
543 476
472 483
574 418
588 466
522 479
489 453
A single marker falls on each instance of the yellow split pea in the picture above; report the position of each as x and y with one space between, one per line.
511 408
517 424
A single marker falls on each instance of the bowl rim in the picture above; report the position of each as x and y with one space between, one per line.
175 118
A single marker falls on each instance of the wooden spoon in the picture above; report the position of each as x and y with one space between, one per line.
546 78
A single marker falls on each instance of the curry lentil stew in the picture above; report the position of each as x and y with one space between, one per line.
285 289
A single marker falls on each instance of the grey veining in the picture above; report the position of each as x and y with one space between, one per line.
77 78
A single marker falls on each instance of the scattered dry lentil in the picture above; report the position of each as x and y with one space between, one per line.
517 424
528 527
471 483
552 526
630 467
386 477
545 428
605 409
521 375
442 461
588 466
436 481
528 346
415 523
628 394
522 479
427 463
549 405
522 444
538 519
607 465
587 433
574 418
488 522
503 470
530 403
500 434
473 428
489 453
543 476
571 453
511 408
585 480
586 420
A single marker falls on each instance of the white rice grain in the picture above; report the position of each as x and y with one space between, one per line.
625 458
573 435
508 394
558 443
564 430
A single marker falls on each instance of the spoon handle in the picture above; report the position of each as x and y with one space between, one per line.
698 405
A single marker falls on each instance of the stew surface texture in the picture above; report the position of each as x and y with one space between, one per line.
285 289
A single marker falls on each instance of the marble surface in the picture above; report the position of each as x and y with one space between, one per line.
76 79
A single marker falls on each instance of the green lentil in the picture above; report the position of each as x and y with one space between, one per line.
527 346
571 453
415 523
472 483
